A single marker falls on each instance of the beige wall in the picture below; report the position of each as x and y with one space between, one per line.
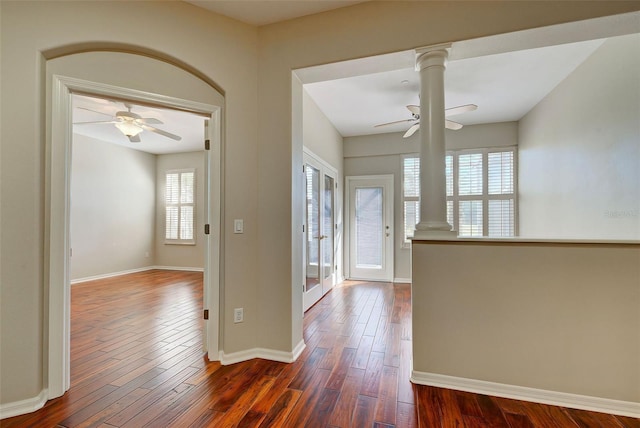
580 151
558 317
382 154
171 255
252 67
112 208
322 139
218 48
319 135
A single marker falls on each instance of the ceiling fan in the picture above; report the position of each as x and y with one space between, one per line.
131 124
415 117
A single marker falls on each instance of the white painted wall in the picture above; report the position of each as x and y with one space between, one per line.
173 255
382 154
580 151
112 208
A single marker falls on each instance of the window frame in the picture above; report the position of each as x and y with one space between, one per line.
179 241
406 240
485 197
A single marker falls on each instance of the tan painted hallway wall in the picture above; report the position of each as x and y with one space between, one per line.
33 31
252 66
366 29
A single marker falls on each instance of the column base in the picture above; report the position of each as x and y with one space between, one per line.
434 229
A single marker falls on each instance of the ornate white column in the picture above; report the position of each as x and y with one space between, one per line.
430 62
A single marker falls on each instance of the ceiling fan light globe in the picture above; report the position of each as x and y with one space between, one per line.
128 128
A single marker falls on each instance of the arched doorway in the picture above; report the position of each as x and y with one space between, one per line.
138 78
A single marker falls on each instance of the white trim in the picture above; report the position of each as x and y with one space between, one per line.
310 297
554 398
181 268
127 272
57 208
402 280
264 353
318 159
347 232
23 407
111 275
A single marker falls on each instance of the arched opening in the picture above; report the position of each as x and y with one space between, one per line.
134 77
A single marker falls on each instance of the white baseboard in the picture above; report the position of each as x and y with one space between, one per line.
402 280
23 407
110 275
554 398
267 354
187 269
142 269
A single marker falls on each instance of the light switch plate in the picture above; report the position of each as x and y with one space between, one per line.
238 226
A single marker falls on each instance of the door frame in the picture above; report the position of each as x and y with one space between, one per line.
57 218
325 168
387 179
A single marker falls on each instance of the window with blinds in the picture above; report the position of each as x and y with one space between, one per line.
180 206
480 189
410 194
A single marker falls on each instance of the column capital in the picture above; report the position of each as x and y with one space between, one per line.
430 56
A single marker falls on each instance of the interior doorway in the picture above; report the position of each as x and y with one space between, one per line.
170 88
370 210
320 228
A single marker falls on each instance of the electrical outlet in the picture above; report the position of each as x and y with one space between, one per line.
238 315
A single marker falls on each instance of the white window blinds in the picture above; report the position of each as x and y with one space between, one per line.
180 206
411 194
480 189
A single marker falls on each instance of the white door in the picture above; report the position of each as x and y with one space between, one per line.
370 200
320 231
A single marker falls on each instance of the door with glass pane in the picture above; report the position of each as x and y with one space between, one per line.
370 207
320 227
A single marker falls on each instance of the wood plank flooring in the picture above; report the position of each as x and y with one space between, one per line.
137 361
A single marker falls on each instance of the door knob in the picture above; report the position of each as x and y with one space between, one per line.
320 238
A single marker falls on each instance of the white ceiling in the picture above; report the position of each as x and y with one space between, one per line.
189 126
269 11
504 87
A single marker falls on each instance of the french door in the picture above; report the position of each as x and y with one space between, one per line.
370 210
320 231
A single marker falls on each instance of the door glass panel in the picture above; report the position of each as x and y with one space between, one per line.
313 227
327 228
369 227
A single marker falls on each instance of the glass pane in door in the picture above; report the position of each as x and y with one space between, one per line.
327 229
369 227
313 227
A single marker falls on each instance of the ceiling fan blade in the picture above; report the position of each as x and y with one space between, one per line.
460 109
135 138
449 124
393 123
95 111
414 109
411 131
151 121
161 132
93 122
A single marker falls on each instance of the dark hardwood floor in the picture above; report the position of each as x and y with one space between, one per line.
137 361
